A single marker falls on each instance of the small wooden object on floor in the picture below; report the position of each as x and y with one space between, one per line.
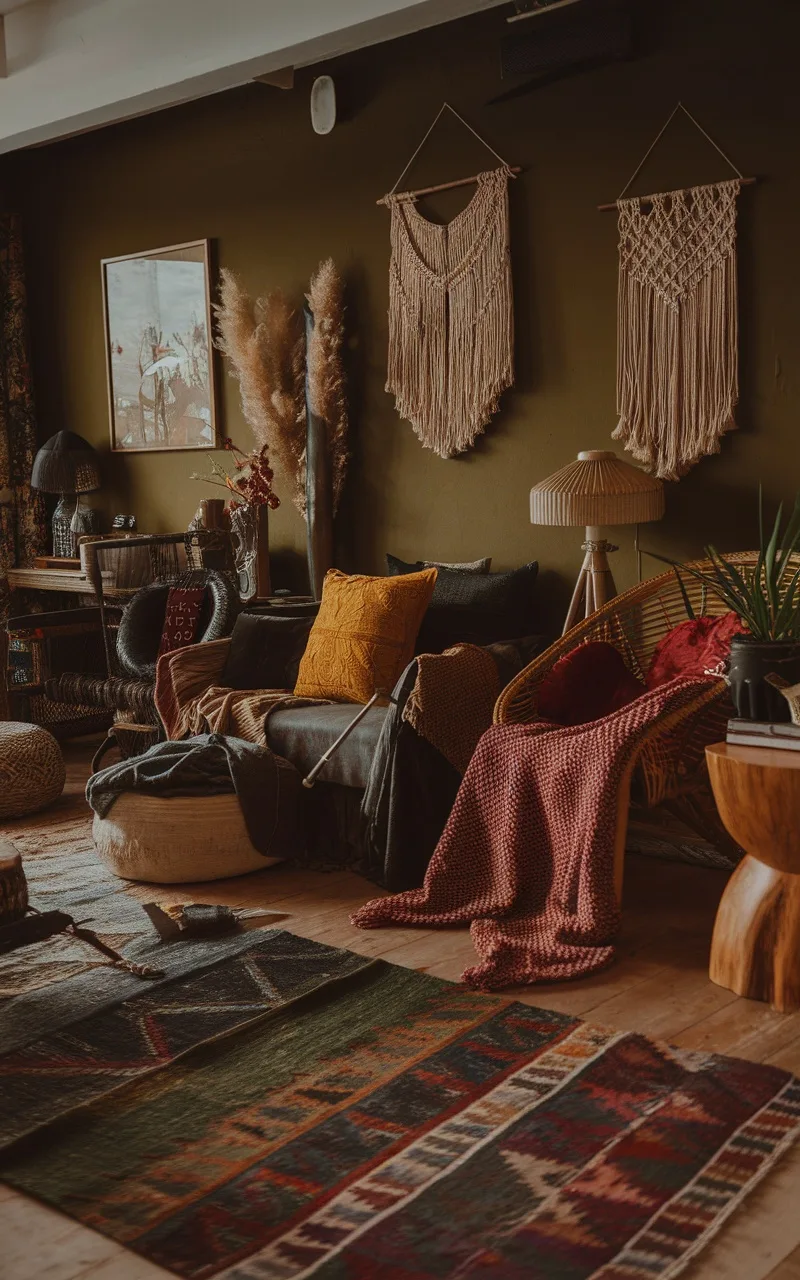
755 950
13 885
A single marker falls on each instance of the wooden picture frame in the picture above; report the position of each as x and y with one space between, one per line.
160 366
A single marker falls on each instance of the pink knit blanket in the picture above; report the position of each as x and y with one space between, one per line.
527 856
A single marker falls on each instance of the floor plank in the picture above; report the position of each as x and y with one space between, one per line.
658 985
789 1269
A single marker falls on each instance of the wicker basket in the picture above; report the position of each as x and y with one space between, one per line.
176 839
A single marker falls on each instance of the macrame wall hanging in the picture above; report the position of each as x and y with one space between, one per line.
677 316
451 312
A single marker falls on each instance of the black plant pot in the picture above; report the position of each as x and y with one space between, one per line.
752 660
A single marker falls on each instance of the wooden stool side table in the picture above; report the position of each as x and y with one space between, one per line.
755 949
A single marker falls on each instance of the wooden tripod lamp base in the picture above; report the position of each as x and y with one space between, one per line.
595 584
597 489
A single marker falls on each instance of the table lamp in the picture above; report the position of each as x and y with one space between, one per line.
67 464
597 489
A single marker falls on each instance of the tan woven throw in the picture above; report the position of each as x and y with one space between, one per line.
677 354
452 701
451 316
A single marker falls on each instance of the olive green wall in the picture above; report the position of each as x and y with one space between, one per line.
245 169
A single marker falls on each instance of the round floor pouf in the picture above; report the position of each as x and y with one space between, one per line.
176 839
32 772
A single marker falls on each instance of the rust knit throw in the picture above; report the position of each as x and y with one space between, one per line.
527 856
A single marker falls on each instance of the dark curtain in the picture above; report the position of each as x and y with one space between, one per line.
22 524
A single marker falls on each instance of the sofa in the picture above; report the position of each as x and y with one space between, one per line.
384 796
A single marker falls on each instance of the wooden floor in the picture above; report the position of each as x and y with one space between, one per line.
659 985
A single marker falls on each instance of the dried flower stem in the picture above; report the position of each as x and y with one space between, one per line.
263 343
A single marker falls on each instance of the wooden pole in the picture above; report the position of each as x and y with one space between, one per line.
263 576
612 207
442 186
319 490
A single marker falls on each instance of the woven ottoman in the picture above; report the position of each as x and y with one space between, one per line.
32 772
176 839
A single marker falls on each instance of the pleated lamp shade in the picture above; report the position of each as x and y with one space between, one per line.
597 489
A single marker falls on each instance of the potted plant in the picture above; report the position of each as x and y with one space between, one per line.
766 597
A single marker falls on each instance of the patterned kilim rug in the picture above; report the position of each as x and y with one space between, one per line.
345 1119
63 872
50 984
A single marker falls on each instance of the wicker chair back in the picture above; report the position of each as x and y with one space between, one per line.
671 769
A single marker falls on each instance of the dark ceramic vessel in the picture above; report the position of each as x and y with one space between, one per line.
752 660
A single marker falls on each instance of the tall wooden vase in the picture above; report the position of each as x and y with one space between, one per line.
319 490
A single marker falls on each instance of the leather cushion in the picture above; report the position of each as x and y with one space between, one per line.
265 651
303 734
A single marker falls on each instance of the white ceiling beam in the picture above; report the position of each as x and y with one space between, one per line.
74 65
283 79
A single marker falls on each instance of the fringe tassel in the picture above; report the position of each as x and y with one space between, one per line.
451 317
677 355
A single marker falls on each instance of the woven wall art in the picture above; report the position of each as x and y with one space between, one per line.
451 316
677 351
451 310
677 318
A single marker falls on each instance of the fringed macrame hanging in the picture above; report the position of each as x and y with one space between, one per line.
451 314
677 349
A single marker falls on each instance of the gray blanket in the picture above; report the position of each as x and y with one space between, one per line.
266 785
412 787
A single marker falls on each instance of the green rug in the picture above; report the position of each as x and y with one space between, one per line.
304 1111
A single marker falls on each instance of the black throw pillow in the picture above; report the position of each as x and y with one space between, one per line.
475 608
468 566
265 651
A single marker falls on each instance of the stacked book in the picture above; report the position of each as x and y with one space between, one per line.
760 733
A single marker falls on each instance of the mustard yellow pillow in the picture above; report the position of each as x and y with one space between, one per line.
363 635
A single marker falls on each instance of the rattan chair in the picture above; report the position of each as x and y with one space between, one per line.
671 771
98 664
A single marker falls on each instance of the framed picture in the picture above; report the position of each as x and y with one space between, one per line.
161 383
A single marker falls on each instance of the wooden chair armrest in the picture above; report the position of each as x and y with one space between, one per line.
55 620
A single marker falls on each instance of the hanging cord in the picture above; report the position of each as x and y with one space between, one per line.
657 139
446 107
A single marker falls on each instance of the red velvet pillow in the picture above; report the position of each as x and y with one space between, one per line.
181 618
587 684
694 648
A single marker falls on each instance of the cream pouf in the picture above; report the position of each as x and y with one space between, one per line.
176 839
32 772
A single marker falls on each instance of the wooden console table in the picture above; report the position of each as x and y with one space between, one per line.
755 950
69 580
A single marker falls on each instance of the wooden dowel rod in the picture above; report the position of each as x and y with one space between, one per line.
611 208
443 186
